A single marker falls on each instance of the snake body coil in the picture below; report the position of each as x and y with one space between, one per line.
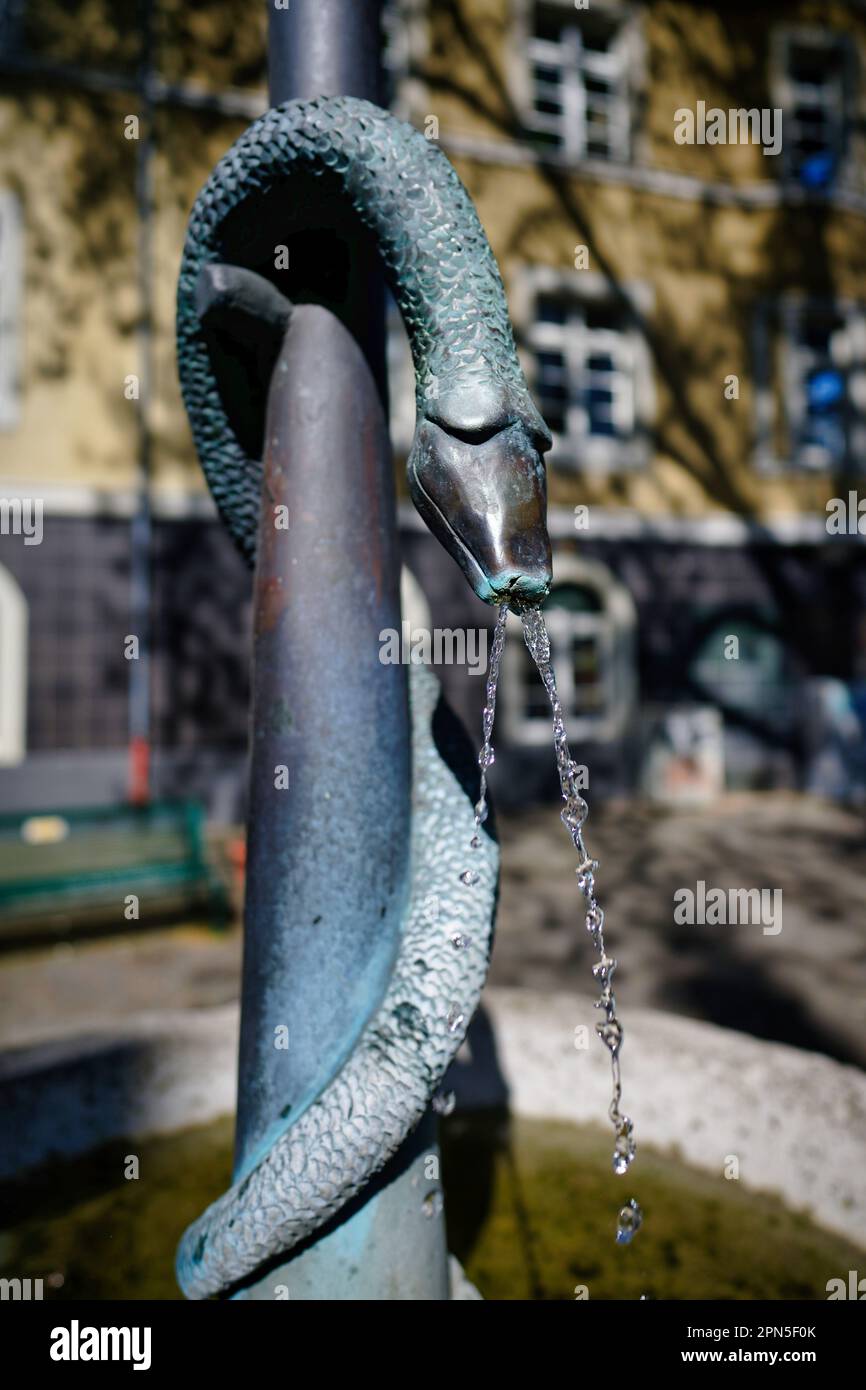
477 476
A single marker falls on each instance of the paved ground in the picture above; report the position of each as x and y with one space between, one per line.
64 989
805 986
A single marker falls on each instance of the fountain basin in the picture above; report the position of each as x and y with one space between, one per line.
527 1128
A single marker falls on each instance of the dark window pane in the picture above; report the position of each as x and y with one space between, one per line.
576 598
551 310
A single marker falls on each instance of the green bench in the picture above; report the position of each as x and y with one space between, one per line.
71 869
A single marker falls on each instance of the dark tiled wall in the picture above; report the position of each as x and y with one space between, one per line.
76 584
813 597
202 594
77 588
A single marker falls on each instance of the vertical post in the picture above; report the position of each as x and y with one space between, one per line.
327 861
141 618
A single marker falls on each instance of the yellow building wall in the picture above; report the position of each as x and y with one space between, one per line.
63 153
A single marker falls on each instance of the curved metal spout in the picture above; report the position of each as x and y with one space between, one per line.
483 496
475 470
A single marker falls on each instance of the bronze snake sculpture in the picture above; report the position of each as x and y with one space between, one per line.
476 475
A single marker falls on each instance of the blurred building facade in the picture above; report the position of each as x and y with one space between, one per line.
691 315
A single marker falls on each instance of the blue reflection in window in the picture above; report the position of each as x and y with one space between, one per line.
818 170
825 389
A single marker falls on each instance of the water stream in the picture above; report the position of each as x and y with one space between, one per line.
574 814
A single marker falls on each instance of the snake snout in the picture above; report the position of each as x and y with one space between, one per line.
523 587
485 499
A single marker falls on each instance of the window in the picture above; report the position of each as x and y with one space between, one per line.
762 685
11 26
401 382
395 50
414 608
812 385
579 82
585 373
590 370
10 296
590 617
404 41
815 96
818 394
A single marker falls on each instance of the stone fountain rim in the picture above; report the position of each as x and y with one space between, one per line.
789 1115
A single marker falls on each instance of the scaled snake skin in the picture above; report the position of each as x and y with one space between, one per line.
476 475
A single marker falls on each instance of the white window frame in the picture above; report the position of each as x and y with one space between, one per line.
11 272
405 30
614 626
787 93
782 362
575 448
401 383
13 670
414 608
622 65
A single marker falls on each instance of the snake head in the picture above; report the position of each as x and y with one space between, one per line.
476 475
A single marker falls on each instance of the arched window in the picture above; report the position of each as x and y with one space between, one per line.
591 620
13 670
746 668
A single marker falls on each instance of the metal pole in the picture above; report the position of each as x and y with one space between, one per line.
141 530
324 48
327 860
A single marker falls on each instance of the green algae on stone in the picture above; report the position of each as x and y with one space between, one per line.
109 1236
531 1208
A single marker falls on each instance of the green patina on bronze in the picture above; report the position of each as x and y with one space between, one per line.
476 474
476 470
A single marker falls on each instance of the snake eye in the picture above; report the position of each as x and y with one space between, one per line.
479 435
471 433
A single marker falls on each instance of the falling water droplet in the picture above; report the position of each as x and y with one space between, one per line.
603 971
628 1222
444 1103
586 876
624 1148
456 1018
469 877
574 813
481 812
459 940
610 1034
475 842
432 1204
594 919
